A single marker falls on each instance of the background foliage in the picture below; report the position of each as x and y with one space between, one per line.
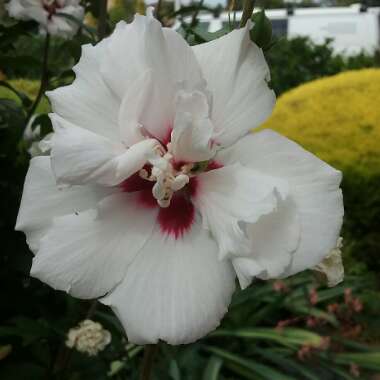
338 119
292 329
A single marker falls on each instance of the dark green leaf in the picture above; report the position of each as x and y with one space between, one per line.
260 369
286 336
261 32
213 368
23 97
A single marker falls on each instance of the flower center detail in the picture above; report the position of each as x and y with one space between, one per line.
170 185
168 176
51 7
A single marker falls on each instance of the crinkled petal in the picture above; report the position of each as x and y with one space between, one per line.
191 138
88 102
246 269
315 201
42 201
175 290
274 239
236 73
230 197
80 156
144 46
87 254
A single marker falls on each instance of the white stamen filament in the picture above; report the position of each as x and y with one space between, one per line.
168 180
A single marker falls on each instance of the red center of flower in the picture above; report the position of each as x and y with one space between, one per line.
176 219
51 8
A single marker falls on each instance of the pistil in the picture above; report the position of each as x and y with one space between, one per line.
167 179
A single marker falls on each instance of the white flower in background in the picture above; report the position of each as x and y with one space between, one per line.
156 195
89 337
49 14
332 265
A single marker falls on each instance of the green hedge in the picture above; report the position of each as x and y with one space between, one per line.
338 119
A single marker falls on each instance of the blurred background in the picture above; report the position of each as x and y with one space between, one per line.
324 58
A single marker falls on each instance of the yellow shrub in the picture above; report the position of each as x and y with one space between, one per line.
30 88
337 118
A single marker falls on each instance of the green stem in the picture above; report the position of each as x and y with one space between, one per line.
147 364
247 12
44 80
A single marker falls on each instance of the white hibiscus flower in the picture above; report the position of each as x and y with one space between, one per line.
156 195
49 14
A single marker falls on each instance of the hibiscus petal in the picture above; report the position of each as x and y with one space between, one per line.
175 290
246 269
88 253
132 107
143 46
274 251
42 201
315 203
88 102
242 99
191 138
230 195
80 156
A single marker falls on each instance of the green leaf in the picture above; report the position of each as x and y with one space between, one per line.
368 360
261 32
23 97
252 293
353 345
19 61
204 36
287 363
45 124
30 330
343 375
174 371
243 372
213 368
132 352
315 312
115 367
12 117
286 336
262 370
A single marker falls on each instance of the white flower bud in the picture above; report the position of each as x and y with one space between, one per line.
332 265
89 337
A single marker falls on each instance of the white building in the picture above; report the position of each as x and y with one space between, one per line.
351 28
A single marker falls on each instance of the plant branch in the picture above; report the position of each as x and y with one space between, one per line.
102 20
147 364
44 82
158 11
194 18
247 12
